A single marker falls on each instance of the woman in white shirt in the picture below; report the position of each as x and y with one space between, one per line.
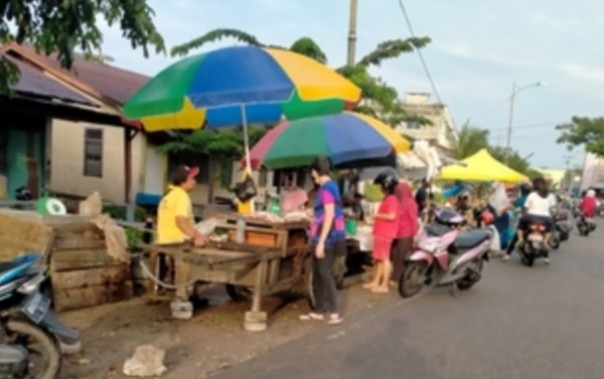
538 209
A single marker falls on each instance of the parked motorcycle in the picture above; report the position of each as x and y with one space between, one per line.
30 335
534 246
446 256
585 225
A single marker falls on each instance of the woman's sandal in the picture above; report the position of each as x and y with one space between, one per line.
311 317
335 320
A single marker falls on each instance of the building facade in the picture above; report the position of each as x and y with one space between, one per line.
441 134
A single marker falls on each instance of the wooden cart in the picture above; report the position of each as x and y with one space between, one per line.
274 259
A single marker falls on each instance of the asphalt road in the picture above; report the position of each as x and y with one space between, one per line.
544 322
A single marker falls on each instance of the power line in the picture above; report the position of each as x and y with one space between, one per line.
532 126
419 52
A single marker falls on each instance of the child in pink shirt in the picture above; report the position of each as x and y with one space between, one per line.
385 229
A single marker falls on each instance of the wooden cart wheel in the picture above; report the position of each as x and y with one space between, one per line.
239 293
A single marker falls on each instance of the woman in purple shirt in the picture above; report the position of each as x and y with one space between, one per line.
328 238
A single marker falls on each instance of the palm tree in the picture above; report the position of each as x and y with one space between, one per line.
471 140
380 100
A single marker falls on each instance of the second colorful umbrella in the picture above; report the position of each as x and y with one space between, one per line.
346 137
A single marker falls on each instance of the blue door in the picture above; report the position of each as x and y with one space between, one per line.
25 160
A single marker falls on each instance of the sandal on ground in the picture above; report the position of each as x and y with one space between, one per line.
312 317
334 320
505 258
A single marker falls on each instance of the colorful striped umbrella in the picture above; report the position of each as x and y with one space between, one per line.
346 138
238 86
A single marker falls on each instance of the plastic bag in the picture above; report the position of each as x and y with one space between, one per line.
499 198
207 227
246 189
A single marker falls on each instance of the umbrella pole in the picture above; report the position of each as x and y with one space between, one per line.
246 144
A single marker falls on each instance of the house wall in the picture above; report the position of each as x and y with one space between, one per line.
441 132
67 143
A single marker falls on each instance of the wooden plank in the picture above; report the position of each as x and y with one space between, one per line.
105 276
77 298
78 242
65 260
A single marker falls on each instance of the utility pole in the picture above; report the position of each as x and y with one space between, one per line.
352 33
515 91
511 116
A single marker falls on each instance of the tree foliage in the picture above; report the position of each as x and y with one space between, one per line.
470 141
393 49
584 131
64 26
224 144
380 100
306 46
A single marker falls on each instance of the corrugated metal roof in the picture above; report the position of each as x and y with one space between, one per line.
112 82
34 82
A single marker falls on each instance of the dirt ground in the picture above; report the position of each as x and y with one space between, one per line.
213 340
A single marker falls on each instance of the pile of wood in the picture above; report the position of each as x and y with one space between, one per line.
82 273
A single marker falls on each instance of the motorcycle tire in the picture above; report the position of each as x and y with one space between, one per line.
470 280
409 286
47 344
554 243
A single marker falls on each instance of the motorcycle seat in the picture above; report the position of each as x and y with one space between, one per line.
437 230
8 266
471 239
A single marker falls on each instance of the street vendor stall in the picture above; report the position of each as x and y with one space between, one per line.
273 258
482 167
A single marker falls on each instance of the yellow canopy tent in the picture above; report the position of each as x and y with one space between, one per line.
482 167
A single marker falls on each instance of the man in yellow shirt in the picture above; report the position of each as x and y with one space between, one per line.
175 222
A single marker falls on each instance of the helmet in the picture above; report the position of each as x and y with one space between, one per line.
388 180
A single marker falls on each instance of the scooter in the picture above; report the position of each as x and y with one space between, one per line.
31 338
534 246
585 225
563 225
446 256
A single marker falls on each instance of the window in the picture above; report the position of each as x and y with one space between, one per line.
93 153
414 125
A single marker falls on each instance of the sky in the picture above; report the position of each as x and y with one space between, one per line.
479 49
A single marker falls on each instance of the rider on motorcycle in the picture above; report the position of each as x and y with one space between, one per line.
589 204
525 190
538 208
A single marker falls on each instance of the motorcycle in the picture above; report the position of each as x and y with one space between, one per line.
585 225
534 246
446 256
31 338
562 225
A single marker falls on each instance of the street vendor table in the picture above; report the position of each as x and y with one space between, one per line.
274 258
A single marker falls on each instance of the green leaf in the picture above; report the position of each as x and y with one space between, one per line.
63 26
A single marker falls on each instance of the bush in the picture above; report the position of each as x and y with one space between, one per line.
119 212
